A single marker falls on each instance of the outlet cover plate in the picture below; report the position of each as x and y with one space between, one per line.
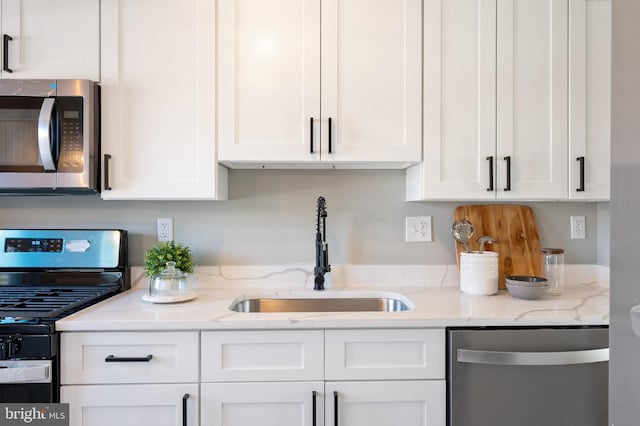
418 229
165 229
578 228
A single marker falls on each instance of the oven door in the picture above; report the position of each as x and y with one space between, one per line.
27 381
29 142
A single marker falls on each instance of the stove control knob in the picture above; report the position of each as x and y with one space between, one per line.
14 346
9 347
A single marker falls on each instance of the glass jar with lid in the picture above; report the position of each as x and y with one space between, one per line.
170 286
553 260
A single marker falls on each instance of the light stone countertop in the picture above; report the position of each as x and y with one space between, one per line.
433 291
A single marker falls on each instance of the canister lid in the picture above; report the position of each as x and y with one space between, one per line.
552 251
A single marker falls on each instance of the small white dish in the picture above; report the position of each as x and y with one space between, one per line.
169 298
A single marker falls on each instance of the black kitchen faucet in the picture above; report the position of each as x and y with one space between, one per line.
322 248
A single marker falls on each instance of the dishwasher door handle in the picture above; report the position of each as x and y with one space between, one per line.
589 356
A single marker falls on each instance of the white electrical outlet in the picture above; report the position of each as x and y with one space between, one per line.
165 229
418 229
578 228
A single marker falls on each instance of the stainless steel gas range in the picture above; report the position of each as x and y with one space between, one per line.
45 275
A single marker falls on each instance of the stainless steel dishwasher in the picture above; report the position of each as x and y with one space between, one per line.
527 376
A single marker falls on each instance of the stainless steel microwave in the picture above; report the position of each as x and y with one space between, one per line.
49 137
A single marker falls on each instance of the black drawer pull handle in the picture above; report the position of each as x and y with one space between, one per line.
508 160
311 135
335 408
6 38
330 137
184 409
112 358
313 408
490 188
107 162
581 187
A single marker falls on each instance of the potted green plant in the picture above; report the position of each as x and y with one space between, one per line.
156 258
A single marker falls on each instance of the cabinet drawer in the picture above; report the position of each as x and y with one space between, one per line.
384 354
262 355
163 357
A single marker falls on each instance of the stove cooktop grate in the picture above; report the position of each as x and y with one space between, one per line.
49 301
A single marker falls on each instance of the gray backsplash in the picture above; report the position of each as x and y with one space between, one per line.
270 219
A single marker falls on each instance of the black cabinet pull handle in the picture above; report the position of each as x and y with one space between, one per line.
311 135
581 187
508 160
6 38
112 358
330 137
107 161
490 188
184 409
313 408
335 408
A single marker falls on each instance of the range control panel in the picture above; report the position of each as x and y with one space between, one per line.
29 245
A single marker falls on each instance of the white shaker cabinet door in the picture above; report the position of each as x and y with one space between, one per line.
532 105
300 83
264 404
589 99
132 405
371 81
459 102
158 100
388 403
269 81
52 39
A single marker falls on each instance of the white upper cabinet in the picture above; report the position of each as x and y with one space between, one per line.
371 81
532 108
338 85
589 99
269 80
52 39
514 92
158 100
459 101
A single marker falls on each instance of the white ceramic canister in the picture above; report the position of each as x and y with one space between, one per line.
479 273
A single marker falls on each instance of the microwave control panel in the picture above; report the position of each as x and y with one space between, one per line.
71 145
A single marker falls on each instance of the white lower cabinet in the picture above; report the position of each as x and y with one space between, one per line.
386 403
357 377
264 404
361 403
318 378
132 405
130 378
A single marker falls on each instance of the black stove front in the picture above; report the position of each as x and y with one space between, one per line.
29 372
46 275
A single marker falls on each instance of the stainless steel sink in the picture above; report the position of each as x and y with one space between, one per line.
307 303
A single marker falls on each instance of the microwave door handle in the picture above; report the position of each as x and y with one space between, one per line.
45 141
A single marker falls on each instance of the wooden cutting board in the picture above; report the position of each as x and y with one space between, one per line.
515 229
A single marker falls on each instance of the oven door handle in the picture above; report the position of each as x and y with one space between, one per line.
39 373
45 139
533 358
